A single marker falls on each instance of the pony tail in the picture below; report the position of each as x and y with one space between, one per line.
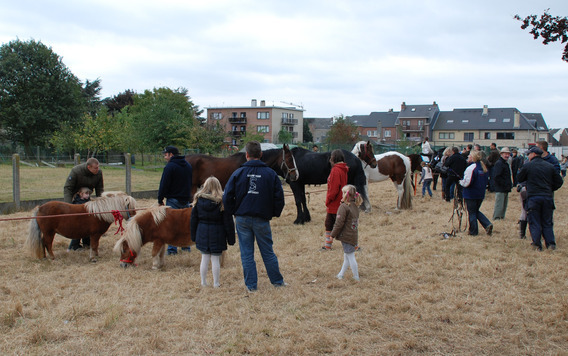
358 199
483 166
34 243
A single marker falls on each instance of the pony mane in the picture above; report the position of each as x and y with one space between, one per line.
356 149
108 203
132 232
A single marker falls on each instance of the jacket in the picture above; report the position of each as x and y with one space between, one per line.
502 176
492 158
336 180
552 160
541 177
254 190
80 177
346 224
176 180
457 164
474 182
211 228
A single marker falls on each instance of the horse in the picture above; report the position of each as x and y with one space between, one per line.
75 221
315 168
364 150
204 166
160 225
397 167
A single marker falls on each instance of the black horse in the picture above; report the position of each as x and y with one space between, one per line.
314 168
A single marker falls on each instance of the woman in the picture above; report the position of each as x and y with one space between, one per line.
475 183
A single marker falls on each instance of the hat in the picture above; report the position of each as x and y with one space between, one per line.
534 149
505 150
171 149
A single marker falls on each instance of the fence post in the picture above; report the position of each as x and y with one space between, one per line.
76 159
128 164
16 179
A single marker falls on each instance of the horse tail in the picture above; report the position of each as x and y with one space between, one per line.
34 244
406 202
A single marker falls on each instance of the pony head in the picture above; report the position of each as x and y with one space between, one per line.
364 151
127 256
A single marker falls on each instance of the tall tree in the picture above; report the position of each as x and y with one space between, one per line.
92 95
119 101
38 93
343 132
550 28
308 136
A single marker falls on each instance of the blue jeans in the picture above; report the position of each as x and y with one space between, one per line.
175 204
474 215
540 211
249 228
426 185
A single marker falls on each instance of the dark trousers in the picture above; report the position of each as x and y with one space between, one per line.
473 206
175 204
451 182
540 217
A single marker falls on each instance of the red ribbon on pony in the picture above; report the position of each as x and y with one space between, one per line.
118 220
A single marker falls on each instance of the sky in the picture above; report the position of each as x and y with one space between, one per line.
332 57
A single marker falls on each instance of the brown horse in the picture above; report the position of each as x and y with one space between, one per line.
395 166
204 166
75 221
160 225
365 153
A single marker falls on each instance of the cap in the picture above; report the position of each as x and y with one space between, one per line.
171 149
534 149
505 150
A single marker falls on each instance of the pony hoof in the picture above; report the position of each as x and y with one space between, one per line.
125 265
93 260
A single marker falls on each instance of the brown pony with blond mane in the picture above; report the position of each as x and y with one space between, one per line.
160 225
75 221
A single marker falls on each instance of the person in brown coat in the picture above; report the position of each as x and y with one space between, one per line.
346 227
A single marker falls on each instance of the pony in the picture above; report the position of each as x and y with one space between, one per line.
397 167
364 150
75 221
315 168
204 166
160 225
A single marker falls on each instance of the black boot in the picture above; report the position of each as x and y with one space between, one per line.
522 229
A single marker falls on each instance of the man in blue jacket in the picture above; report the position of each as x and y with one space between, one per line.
254 195
542 180
175 185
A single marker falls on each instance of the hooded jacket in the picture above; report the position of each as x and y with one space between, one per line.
346 224
337 179
176 180
211 228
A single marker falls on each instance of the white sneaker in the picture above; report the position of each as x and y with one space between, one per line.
339 276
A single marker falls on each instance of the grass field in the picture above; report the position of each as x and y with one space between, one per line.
419 293
45 182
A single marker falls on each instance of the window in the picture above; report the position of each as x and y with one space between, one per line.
263 128
372 133
446 135
234 115
468 136
387 133
506 119
217 116
284 115
465 121
243 114
406 123
420 123
487 135
450 121
263 115
492 120
505 135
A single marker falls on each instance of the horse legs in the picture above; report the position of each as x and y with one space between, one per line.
94 250
400 191
158 253
48 244
299 193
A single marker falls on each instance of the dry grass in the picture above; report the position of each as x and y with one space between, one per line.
419 294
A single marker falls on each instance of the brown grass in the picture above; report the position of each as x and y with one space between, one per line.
419 293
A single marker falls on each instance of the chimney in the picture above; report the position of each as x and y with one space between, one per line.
262 103
253 102
517 120
485 111
379 129
391 110
403 106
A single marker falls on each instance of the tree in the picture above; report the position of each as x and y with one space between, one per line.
285 136
550 28
308 137
38 93
342 132
120 101
91 93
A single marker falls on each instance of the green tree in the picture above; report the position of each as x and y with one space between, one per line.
119 101
308 137
92 95
343 132
550 28
38 93
250 135
285 136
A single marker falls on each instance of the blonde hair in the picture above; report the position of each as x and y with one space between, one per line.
350 194
476 157
212 190
83 190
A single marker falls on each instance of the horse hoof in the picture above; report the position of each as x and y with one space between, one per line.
93 260
124 265
298 222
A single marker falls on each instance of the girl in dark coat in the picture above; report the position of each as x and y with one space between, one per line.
211 228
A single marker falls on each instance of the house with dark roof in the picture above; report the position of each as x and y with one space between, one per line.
319 127
378 127
503 126
559 137
414 122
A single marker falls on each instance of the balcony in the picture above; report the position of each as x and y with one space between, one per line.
238 120
412 128
238 133
289 121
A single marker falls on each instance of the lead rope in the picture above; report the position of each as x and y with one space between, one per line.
118 221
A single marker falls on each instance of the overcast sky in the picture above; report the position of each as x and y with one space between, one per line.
333 57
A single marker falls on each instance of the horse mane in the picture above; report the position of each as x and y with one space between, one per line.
108 203
132 233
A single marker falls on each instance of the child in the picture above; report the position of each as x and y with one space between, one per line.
211 228
337 179
81 197
345 229
426 176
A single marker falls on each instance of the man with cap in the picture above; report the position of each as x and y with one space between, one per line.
542 180
502 183
175 185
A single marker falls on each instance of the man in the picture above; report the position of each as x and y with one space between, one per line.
456 167
543 145
426 149
516 165
542 180
82 175
491 160
502 184
466 151
315 148
254 195
175 185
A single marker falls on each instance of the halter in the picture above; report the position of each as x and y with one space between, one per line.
130 258
283 164
366 154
